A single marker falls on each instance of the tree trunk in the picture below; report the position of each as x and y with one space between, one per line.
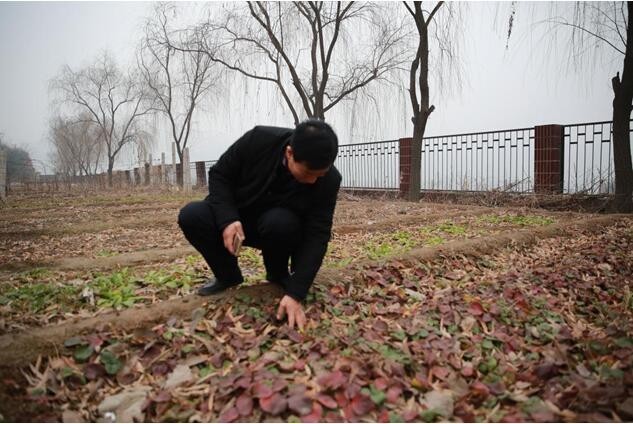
622 99
179 169
415 178
110 168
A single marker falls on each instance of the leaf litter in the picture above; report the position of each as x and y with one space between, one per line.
538 334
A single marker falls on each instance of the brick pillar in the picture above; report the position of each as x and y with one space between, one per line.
548 158
201 175
405 165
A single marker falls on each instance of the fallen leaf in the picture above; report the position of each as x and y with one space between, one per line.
127 405
69 416
440 401
162 396
180 375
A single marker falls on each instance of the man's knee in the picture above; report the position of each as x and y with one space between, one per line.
280 224
194 216
185 216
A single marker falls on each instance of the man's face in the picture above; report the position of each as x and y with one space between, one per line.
300 170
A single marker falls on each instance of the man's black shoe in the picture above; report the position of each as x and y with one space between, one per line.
213 285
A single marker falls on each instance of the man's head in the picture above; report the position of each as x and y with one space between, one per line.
311 151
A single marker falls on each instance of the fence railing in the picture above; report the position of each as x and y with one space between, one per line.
370 165
588 163
479 161
579 161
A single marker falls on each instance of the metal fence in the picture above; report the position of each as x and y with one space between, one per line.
588 164
483 161
369 165
479 161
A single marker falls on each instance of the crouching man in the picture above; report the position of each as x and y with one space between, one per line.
274 189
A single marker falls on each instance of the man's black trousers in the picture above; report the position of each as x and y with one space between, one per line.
276 232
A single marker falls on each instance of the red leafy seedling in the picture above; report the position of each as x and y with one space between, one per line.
274 405
440 372
362 404
410 415
315 415
476 309
262 390
300 404
244 405
94 371
393 394
341 399
381 383
332 380
327 401
229 415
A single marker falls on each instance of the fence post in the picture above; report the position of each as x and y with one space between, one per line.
3 175
147 174
201 176
163 170
405 165
186 172
173 163
548 158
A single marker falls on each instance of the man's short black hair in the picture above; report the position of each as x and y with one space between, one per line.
315 144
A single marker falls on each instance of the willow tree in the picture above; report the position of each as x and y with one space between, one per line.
178 80
111 99
317 54
598 29
436 45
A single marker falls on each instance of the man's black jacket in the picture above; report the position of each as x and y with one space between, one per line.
243 174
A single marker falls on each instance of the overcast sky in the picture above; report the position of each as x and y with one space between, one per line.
523 86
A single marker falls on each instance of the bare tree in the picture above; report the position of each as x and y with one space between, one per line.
177 79
78 145
596 28
428 30
300 47
112 100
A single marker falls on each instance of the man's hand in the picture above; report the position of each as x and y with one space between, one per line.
229 233
294 310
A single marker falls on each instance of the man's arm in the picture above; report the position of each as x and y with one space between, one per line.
223 176
317 233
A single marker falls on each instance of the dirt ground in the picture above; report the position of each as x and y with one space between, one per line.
424 311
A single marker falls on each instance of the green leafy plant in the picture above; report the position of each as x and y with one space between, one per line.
36 297
115 290
520 220
378 250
